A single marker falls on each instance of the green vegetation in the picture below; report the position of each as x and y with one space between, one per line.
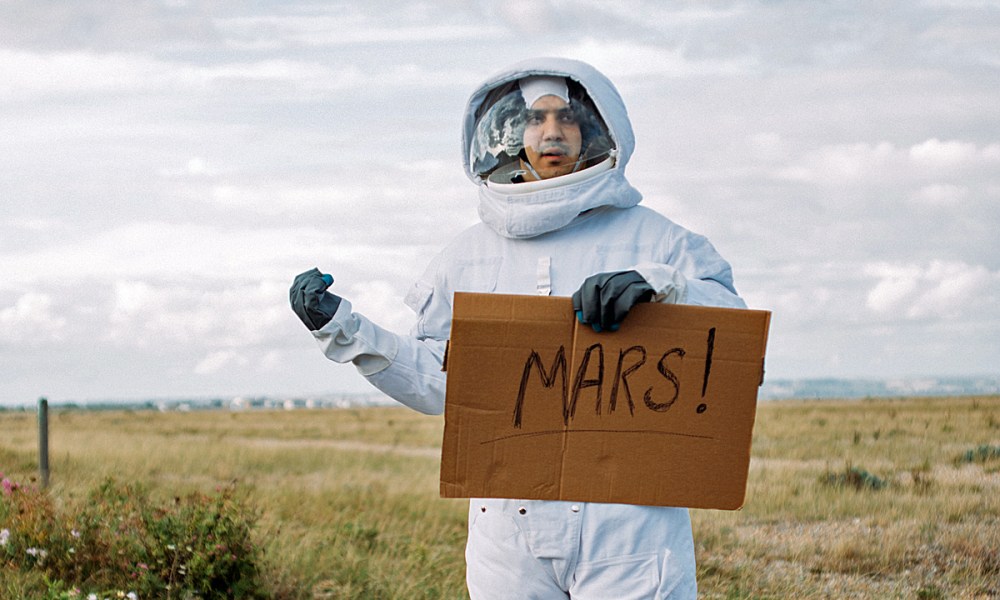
117 542
982 454
856 478
344 503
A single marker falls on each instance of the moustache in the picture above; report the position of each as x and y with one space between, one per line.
553 148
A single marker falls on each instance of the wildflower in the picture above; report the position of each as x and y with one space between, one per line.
91 596
38 553
74 533
132 596
4 536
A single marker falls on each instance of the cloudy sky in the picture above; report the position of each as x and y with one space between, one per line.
167 167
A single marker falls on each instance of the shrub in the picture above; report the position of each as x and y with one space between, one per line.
980 454
118 542
856 478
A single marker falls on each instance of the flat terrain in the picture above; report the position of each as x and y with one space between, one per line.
846 499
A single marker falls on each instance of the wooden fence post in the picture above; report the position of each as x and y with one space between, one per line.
43 440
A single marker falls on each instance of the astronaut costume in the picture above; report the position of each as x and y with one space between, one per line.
542 235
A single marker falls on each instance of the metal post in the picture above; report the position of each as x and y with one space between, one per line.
43 440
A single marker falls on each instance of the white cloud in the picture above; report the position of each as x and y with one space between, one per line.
633 60
196 166
667 14
952 289
37 224
866 163
133 299
960 4
344 27
896 284
380 297
227 313
272 360
941 194
30 74
769 147
299 200
168 251
32 318
940 289
71 74
842 163
217 361
935 153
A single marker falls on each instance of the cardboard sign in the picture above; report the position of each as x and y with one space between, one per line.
658 413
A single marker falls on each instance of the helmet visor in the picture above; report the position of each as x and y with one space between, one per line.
556 135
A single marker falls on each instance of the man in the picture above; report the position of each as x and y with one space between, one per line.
546 141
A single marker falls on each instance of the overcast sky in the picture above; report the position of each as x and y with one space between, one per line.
167 167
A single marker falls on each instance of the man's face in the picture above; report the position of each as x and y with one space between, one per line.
552 139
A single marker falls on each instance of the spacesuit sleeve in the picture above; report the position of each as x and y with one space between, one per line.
406 368
707 277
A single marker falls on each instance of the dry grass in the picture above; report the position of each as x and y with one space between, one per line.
933 531
351 508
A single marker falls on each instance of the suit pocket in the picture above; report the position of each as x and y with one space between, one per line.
634 577
477 274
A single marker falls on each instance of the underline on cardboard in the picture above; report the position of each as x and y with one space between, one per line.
558 431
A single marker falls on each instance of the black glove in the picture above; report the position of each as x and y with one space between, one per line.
311 302
604 299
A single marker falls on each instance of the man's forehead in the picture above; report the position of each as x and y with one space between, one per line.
547 103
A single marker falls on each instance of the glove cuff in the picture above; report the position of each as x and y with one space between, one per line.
350 337
668 283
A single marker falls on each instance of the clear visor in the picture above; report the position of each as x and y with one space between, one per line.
514 143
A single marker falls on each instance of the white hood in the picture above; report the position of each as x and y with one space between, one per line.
531 213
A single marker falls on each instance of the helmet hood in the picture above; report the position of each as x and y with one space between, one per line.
601 92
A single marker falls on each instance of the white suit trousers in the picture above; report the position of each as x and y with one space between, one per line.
543 550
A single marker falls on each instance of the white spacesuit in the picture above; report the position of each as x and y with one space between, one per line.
556 210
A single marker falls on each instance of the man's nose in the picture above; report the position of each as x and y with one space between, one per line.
551 129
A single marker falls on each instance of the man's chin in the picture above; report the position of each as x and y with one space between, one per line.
551 172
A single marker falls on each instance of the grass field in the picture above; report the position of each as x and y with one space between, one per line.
846 499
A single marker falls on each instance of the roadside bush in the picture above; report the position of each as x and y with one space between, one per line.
118 544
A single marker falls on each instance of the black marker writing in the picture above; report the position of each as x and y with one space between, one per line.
669 376
590 373
581 382
548 379
708 368
621 376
